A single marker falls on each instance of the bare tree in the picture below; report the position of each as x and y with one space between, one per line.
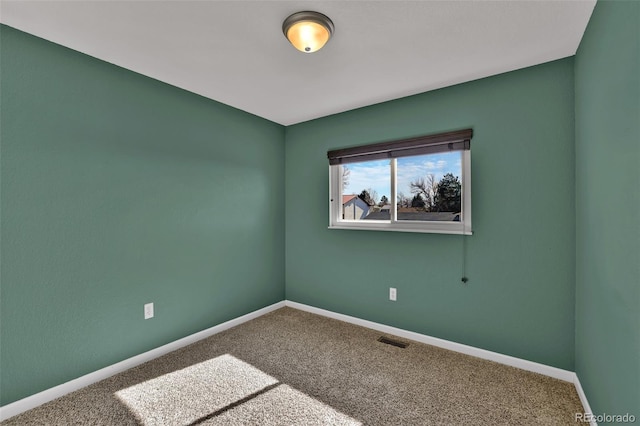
427 189
432 185
373 195
403 200
420 188
346 175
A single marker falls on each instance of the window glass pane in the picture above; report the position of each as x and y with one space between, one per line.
366 190
429 187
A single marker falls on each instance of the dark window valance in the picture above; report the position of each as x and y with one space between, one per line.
429 144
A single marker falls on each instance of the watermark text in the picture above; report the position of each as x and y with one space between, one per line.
602 418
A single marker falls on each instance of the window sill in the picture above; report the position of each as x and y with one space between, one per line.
444 228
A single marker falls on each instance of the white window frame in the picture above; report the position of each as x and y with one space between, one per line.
436 227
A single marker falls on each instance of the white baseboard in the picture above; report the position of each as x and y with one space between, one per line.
583 398
40 398
557 373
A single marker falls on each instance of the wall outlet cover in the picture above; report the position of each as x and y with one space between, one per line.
148 310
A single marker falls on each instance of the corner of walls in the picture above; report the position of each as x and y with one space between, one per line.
607 80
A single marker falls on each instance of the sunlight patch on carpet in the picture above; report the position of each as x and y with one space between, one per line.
187 395
283 405
225 391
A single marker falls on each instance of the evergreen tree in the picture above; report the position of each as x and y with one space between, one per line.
417 201
448 195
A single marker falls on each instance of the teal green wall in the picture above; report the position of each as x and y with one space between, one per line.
521 259
607 69
119 190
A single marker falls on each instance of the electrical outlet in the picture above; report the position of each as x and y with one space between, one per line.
148 310
393 293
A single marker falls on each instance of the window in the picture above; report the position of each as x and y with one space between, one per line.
412 185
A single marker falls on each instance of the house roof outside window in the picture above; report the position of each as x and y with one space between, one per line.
347 198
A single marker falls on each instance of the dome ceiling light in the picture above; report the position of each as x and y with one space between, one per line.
307 31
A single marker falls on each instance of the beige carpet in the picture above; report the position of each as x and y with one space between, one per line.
294 368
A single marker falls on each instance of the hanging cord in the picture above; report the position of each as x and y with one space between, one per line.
464 278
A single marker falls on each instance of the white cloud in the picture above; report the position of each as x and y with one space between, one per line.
376 174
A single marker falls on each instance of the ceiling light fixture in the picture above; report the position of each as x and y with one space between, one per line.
307 31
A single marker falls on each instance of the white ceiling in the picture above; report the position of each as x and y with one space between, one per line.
234 51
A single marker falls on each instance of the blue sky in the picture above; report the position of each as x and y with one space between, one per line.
376 174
